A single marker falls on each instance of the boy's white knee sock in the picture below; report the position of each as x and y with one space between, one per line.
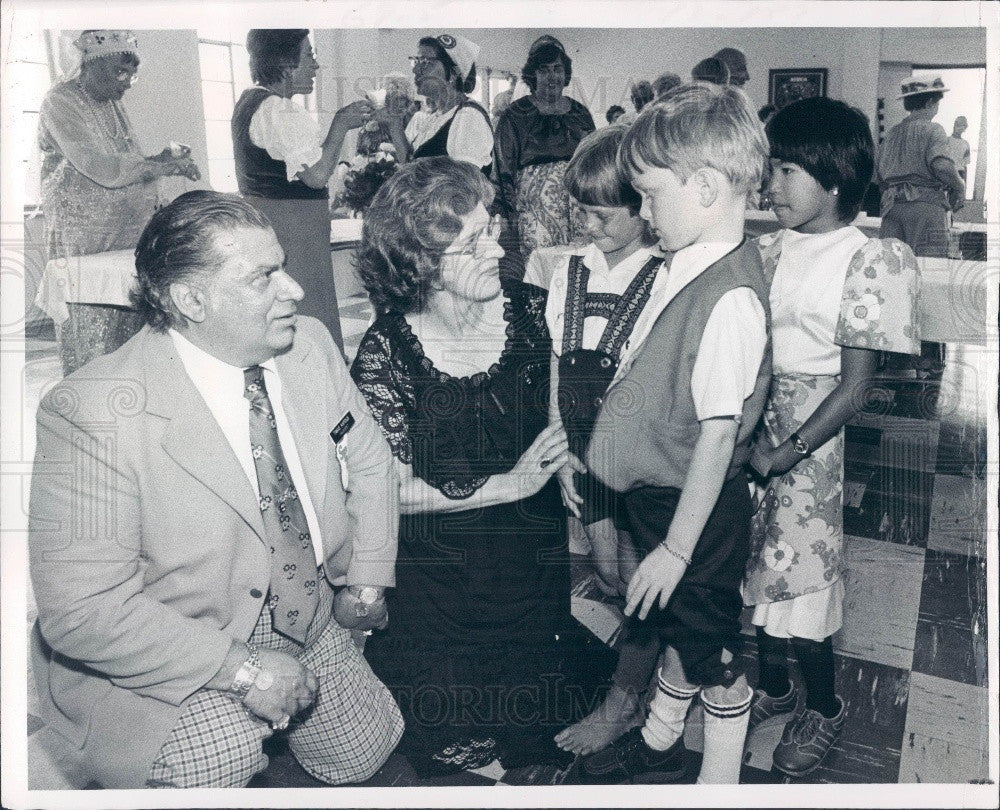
667 712
725 732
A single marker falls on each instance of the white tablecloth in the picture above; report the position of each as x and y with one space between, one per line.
101 278
953 305
953 301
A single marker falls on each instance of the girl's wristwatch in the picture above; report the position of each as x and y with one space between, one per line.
799 445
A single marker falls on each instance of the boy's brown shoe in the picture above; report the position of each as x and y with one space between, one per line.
807 739
630 760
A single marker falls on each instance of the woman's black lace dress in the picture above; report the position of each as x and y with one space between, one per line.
481 651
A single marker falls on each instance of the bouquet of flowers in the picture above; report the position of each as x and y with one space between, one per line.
366 176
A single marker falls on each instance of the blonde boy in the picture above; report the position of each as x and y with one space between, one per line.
674 429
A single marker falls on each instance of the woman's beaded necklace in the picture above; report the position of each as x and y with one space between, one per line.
110 118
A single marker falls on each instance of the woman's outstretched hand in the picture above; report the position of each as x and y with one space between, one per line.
570 497
548 453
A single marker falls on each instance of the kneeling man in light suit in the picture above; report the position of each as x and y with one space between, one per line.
198 497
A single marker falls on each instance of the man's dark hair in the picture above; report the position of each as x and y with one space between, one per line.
921 100
641 94
178 244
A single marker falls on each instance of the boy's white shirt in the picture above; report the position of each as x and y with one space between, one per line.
735 336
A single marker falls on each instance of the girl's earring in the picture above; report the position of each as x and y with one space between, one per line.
836 191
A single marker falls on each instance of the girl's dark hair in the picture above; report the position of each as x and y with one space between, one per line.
545 55
832 142
413 219
272 50
920 100
466 85
178 244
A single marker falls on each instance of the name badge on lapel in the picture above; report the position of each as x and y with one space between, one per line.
339 436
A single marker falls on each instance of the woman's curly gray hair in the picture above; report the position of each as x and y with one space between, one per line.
412 220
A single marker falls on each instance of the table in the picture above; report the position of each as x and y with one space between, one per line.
953 302
101 278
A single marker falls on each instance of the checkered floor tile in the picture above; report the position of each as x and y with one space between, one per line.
911 657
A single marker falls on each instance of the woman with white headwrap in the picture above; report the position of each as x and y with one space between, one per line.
452 124
98 189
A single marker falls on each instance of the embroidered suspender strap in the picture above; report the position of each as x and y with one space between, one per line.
576 301
601 305
622 321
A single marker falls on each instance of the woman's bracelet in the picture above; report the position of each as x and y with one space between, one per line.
677 554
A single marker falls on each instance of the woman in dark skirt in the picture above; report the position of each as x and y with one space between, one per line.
481 653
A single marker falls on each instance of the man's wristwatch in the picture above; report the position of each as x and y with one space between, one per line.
799 445
366 597
248 674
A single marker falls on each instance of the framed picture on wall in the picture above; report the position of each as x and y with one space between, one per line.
791 84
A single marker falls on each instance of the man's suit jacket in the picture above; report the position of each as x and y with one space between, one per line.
148 552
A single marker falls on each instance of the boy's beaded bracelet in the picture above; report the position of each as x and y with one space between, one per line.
677 554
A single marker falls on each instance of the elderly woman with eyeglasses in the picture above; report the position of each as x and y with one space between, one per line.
482 653
98 189
452 124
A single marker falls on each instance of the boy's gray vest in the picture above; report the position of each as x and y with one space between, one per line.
647 427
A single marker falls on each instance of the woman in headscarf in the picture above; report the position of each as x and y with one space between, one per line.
98 189
283 164
535 138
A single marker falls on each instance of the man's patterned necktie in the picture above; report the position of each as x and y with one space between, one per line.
294 597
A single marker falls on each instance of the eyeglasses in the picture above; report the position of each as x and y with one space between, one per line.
422 60
474 242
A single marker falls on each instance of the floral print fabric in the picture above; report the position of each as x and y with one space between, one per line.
546 215
797 540
881 299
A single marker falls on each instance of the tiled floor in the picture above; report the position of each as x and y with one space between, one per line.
911 657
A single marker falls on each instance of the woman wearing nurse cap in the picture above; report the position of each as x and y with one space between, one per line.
451 125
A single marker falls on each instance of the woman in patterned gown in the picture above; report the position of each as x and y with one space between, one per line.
481 652
98 189
535 138
837 299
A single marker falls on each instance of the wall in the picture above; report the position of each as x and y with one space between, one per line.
606 60
165 103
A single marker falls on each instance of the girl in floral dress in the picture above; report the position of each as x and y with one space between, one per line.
837 299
